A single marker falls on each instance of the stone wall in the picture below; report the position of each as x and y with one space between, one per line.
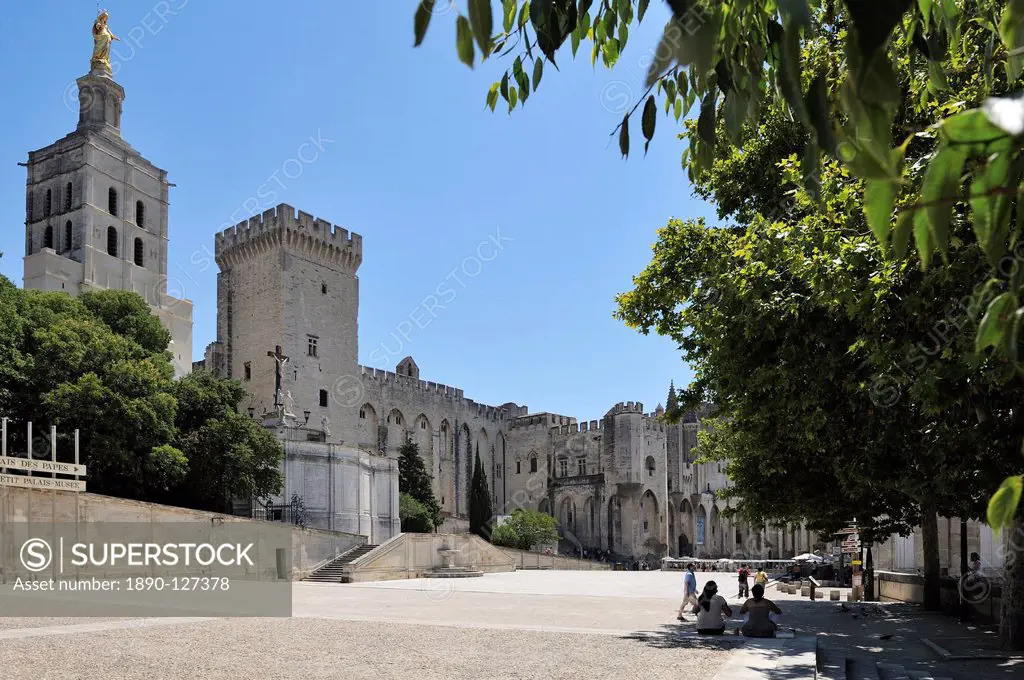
311 548
983 602
342 488
532 560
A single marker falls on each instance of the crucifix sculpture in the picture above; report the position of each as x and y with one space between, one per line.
280 360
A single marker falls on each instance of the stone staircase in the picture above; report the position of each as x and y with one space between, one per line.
838 664
333 571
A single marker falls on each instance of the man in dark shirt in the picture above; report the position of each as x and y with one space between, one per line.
744 574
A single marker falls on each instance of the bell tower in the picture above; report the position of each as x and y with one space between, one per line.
96 212
99 102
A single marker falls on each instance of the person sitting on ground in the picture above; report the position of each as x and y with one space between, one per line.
759 610
975 566
712 610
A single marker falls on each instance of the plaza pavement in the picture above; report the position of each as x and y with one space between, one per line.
527 624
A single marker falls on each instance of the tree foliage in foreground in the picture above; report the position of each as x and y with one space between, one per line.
840 70
99 363
847 381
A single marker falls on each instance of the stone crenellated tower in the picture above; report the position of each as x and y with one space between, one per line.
96 215
288 279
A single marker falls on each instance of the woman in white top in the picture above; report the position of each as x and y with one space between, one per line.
711 610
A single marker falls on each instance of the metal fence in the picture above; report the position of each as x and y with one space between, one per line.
289 513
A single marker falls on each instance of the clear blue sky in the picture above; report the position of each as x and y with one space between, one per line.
222 94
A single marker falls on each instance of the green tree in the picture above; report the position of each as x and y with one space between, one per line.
229 455
99 363
906 96
480 511
525 529
796 328
846 73
414 480
69 368
415 516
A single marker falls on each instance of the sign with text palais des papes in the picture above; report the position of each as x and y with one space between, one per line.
41 466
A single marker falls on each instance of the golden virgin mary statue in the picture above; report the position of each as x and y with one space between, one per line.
101 39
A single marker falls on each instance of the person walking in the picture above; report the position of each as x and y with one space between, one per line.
761 578
744 575
759 610
712 610
689 590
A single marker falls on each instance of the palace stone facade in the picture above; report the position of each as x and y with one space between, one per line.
626 483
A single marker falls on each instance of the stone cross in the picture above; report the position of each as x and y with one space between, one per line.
280 360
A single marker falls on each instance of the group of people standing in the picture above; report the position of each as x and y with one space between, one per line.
760 579
713 610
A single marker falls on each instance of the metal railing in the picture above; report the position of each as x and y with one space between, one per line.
288 513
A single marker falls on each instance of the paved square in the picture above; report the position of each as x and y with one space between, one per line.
527 624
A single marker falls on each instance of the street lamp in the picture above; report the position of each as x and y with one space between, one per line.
306 414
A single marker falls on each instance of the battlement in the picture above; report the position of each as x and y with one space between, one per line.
545 421
454 393
285 226
576 428
626 407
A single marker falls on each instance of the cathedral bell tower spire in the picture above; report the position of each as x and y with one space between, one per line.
99 97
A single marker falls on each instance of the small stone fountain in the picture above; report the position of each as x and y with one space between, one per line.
448 568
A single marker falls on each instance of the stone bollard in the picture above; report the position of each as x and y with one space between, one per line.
805 591
833 595
849 597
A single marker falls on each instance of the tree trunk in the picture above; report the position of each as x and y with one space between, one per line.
1011 622
930 547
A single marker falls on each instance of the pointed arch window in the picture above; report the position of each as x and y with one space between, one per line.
48 203
48 237
112 241
112 201
138 252
533 463
67 197
67 235
140 214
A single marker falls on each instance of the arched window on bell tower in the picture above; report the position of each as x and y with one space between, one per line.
48 203
67 235
67 197
138 252
112 201
140 214
48 236
112 241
